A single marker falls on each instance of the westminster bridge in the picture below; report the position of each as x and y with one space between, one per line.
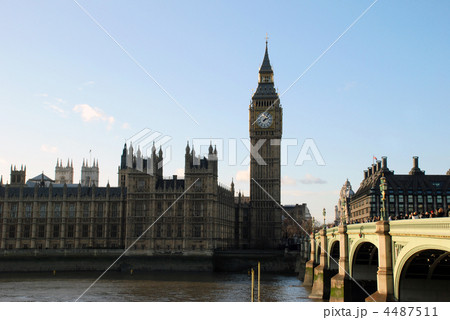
402 260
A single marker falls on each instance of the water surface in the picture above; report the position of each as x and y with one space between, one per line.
150 286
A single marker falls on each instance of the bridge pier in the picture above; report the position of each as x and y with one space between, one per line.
341 284
385 283
309 267
321 285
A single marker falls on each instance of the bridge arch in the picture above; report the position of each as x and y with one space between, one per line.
408 272
363 269
318 252
333 256
352 250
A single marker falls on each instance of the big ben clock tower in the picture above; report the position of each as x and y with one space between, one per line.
265 125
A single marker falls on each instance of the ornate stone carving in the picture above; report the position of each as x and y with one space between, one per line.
398 246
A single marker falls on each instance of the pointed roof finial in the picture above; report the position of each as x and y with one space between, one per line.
265 66
267 39
210 150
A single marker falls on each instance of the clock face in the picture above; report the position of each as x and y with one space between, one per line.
264 120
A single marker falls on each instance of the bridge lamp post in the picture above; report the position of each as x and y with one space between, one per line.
343 216
324 216
383 189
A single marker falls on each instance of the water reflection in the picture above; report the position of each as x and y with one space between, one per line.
155 286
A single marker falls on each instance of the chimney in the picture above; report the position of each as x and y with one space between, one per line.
366 174
369 169
384 162
378 165
415 169
416 162
374 168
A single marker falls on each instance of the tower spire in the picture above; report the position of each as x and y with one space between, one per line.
265 66
266 88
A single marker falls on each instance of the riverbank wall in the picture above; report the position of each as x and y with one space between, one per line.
100 260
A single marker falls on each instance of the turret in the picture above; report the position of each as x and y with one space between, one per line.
123 158
90 174
18 176
63 174
139 160
210 149
187 148
130 156
155 162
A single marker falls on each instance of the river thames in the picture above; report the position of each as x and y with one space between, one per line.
148 287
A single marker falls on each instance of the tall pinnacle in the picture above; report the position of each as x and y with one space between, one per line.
265 66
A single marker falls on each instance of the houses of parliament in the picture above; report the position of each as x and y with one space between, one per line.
148 212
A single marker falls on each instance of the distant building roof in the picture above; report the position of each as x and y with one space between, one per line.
39 179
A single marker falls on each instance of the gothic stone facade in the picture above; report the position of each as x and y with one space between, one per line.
199 214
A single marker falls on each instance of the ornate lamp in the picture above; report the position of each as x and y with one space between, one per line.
383 189
343 216
324 216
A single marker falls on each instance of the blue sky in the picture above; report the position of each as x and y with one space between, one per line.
382 89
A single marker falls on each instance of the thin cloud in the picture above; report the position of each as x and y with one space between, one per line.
125 125
86 84
54 104
89 114
49 149
57 109
243 175
180 172
288 181
310 179
348 86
